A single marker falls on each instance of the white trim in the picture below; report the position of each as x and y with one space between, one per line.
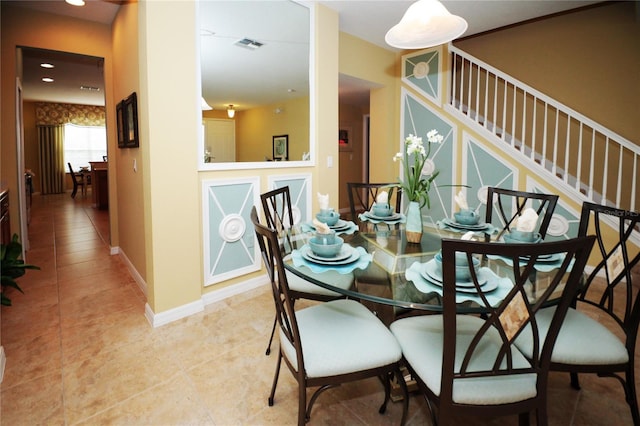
132 269
253 198
166 317
437 99
273 179
233 290
156 320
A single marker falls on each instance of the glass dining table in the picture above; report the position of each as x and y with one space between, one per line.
391 275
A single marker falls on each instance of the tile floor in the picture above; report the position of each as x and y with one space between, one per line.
80 351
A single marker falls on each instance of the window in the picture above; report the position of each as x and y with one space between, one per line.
83 144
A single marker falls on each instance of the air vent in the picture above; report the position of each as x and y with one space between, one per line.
248 43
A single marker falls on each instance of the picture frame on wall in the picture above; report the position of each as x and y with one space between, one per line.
131 126
281 148
344 139
120 119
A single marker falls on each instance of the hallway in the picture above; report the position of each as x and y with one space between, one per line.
80 350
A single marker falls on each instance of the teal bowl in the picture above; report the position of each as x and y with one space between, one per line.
323 249
466 218
463 273
510 238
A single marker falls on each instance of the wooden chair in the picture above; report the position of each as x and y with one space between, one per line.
78 182
509 204
279 215
363 195
587 345
329 343
468 365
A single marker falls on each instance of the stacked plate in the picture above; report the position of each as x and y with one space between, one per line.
340 225
346 256
453 224
432 273
546 258
391 217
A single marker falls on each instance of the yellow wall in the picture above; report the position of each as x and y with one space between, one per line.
128 200
369 62
30 28
256 127
589 60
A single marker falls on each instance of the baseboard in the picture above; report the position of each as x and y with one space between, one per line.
142 284
162 318
157 320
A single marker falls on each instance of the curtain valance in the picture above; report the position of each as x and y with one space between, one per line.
48 114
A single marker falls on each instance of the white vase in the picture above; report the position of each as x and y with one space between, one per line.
413 227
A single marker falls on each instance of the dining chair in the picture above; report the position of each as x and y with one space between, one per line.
509 204
279 215
467 364
326 344
78 181
362 196
609 305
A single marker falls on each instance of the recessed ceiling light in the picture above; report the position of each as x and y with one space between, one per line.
75 2
47 79
47 65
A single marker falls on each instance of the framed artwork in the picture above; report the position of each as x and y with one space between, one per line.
131 116
122 142
344 139
281 148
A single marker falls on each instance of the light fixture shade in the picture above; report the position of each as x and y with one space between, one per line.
426 23
230 111
205 106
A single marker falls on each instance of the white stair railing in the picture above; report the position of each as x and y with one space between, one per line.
598 164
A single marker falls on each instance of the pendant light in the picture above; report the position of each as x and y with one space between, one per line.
230 111
426 23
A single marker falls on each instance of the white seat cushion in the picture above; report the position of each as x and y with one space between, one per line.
421 339
581 341
341 336
334 278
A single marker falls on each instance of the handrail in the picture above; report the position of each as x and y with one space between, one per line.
597 163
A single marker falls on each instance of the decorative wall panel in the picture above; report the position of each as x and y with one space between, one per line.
421 71
418 118
230 248
481 169
564 222
300 190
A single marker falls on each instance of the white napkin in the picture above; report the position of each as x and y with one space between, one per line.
468 236
383 197
323 201
527 221
321 227
461 201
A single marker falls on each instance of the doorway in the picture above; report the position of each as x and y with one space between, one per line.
58 88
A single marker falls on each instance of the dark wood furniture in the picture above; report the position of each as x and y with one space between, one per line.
326 344
276 206
78 182
469 365
100 184
610 294
509 204
363 195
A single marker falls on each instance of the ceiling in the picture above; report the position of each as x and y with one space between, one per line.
368 20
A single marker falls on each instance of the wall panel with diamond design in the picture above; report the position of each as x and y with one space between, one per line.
230 248
482 169
418 118
421 71
300 190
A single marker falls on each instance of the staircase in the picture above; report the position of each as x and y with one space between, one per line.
587 160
